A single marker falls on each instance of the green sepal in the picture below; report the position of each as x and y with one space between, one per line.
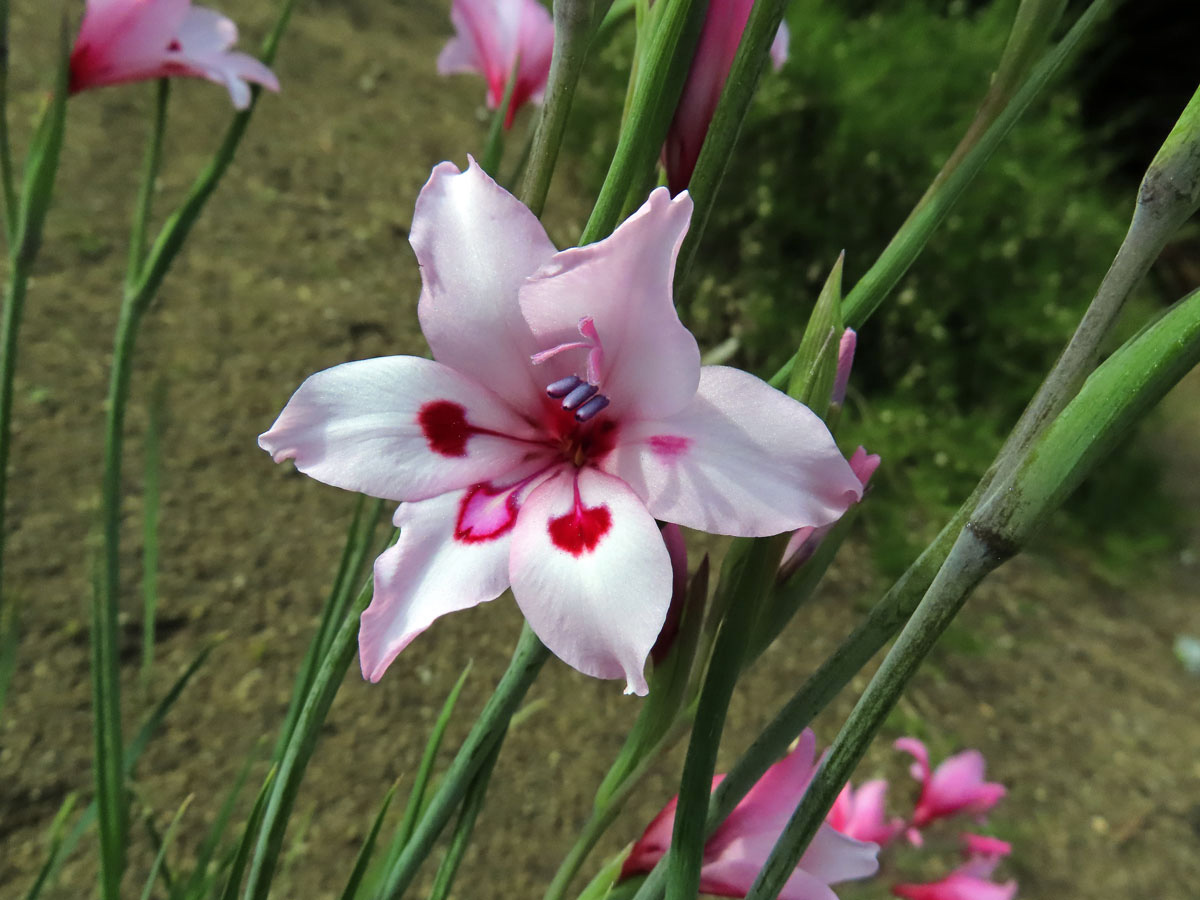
813 375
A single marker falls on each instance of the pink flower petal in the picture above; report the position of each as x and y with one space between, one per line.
920 755
651 363
957 886
427 574
489 34
399 427
591 574
958 785
133 40
741 459
779 46
733 874
476 244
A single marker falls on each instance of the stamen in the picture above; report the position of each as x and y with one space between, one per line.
581 393
563 386
589 409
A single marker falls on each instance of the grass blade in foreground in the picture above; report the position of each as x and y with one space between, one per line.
527 661
368 847
161 856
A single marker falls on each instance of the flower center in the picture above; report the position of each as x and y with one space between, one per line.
580 396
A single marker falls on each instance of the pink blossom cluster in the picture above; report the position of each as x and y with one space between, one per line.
846 846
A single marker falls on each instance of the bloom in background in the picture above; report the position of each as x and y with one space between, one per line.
724 23
779 46
566 411
955 787
490 34
861 815
739 848
136 40
970 881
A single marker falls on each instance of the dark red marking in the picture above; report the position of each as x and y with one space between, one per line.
470 533
580 530
669 444
174 46
445 427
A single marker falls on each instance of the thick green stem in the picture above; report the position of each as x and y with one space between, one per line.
145 199
527 661
970 559
572 37
754 580
717 151
660 80
1169 195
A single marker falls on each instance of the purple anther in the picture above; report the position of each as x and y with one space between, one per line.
563 386
583 392
590 408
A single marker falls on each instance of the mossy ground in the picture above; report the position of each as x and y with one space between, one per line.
1066 681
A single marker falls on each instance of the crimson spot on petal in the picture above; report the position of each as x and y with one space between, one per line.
580 530
445 427
670 445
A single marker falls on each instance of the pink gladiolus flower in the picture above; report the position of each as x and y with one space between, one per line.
845 362
739 848
805 541
970 881
565 412
489 36
136 40
724 23
955 787
861 815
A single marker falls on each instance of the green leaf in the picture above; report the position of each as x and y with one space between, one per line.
659 82
57 852
527 660
253 823
472 803
816 358
416 794
161 856
367 848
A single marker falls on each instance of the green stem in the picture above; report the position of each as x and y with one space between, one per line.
606 813
753 581
880 626
1169 195
913 235
145 200
970 559
10 326
6 166
290 769
527 660
716 152
659 84
572 37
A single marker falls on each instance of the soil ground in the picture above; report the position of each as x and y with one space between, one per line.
1064 680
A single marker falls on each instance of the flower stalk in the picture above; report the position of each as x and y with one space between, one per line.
573 29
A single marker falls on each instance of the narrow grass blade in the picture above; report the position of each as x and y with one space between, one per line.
61 850
416 796
294 761
194 886
367 848
57 853
10 635
164 844
472 804
242 855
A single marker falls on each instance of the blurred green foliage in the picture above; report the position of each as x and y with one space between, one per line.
836 151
